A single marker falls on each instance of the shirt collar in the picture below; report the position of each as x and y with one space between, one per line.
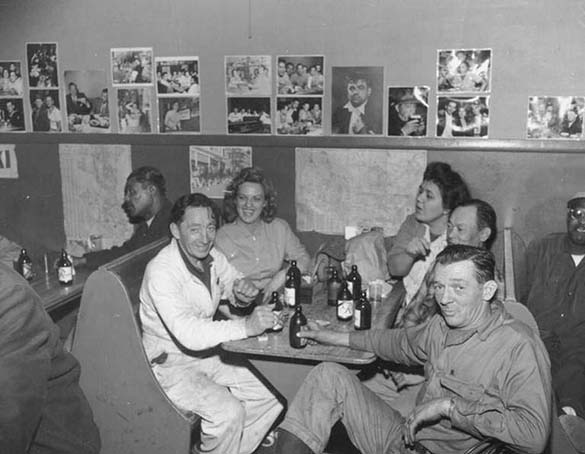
205 263
361 109
494 319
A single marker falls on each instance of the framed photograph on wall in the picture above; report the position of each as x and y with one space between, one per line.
248 75
177 76
300 75
463 116
555 117
131 66
179 115
86 101
213 168
464 70
357 100
11 82
42 61
134 110
407 111
249 116
299 116
11 115
45 110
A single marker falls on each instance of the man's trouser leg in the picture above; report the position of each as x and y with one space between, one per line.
331 393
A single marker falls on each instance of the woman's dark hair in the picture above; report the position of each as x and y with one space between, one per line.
194 200
249 175
454 190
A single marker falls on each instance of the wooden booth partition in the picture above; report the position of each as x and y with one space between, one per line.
130 408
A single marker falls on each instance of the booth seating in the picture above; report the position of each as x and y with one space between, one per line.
130 408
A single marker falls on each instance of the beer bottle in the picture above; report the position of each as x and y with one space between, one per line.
25 265
290 291
363 313
296 273
354 282
277 309
333 288
345 304
297 321
65 269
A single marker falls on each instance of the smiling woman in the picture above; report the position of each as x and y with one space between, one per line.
256 242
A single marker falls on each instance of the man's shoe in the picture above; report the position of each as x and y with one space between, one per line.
574 427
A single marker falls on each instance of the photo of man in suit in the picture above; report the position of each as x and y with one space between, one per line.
357 100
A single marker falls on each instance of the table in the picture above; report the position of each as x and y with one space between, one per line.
285 367
53 294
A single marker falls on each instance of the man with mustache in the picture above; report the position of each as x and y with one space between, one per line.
556 297
147 207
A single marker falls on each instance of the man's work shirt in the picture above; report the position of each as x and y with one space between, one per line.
498 376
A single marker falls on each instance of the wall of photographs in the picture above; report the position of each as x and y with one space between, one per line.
501 70
162 95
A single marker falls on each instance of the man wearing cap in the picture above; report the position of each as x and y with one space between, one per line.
357 115
555 279
401 119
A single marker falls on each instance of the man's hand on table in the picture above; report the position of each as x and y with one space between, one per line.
260 320
244 291
324 336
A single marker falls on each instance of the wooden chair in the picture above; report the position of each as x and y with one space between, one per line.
130 408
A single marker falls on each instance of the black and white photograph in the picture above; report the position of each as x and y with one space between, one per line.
132 66
134 110
179 114
213 168
463 116
11 82
464 70
408 111
249 116
177 76
357 100
555 117
11 115
300 75
46 112
42 65
248 75
299 116
86 101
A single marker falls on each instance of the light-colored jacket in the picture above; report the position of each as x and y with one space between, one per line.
177 309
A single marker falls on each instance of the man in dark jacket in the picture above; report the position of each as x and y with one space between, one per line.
147 207
42 407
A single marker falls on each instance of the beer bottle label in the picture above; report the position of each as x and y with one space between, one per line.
27 272
350 286
357 318
345 309
289 297
65 274
277 325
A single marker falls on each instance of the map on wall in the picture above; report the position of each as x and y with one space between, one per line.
93 179
336 188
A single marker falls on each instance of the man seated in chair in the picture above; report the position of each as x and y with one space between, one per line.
556 296
487 376
179 298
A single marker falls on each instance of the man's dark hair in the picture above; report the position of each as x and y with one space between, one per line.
149 175
482 259
453 189
194 200
358 75
486 217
